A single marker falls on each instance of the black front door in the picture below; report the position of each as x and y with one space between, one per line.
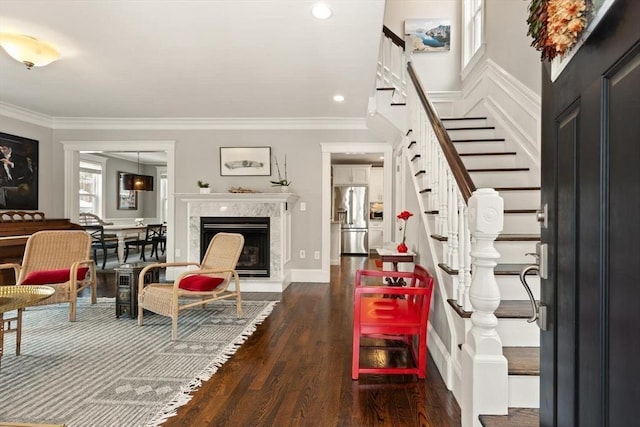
591 183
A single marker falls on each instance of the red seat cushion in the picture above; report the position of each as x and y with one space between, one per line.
51 277
200 283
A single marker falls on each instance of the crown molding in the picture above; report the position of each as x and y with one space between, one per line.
22 114
233 123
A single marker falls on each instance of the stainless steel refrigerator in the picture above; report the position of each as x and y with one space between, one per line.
351 209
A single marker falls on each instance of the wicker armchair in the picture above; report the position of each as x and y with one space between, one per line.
208 282
60 259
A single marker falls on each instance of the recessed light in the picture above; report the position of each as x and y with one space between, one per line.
338 98
321 11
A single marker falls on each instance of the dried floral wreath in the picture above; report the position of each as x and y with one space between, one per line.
556 25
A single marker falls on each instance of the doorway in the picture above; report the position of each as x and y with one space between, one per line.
328 150
72 151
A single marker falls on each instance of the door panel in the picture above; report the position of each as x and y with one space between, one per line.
622 237
591 182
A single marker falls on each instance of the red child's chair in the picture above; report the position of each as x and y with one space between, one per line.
398 313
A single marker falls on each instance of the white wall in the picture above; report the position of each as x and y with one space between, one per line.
507 43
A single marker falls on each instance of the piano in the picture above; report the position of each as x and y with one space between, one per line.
15 229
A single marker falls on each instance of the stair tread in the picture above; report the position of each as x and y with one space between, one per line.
521 417
498 170
478 140
508 309
473 128
523 360
500 238
499 270
463 118
516 188
494 153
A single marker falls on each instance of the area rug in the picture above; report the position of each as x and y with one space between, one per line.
104 371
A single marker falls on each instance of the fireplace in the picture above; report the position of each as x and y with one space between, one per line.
254 260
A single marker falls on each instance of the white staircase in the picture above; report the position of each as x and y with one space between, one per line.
444 180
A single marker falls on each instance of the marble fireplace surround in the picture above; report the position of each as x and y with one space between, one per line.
276 206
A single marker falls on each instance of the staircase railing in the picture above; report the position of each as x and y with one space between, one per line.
468 220
391 63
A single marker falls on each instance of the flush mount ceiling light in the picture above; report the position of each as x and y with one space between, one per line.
28 50
321 11
338 98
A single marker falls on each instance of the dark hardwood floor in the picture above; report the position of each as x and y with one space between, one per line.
295 370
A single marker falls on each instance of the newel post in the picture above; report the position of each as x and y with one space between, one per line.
484 367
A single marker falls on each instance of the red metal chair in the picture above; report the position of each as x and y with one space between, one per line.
392 313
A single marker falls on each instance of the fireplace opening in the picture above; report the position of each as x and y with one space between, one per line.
254 259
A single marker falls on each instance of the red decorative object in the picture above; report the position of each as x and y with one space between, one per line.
404 215
392 313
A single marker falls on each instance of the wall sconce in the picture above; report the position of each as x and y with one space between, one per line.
28 50
136 181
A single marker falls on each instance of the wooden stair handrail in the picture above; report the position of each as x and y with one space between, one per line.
460 174
393 36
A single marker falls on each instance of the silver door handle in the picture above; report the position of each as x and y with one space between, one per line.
523 279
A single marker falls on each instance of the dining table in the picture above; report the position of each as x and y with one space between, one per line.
14 297
122 231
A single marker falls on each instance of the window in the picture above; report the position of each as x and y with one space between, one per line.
164 194
91 187
473 29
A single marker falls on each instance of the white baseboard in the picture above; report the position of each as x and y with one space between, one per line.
309 275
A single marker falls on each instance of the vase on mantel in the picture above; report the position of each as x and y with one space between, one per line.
205 190
284 188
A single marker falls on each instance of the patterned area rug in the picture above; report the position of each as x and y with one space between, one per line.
104 371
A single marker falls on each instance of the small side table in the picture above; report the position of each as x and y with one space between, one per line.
394 257
127 282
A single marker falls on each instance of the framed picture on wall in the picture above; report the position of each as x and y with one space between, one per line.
127 199
18 172
245 161
428 35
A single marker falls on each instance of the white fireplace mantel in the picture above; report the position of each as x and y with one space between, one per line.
276 206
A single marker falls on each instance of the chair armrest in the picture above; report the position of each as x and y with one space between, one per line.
382 274
16 269
389 290
73 272
148 267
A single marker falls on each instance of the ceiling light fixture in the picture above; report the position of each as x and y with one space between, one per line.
338 98
321 11
136 181
28 50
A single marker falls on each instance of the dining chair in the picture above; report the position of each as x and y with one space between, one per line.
153 236
387 315
205 282
101 241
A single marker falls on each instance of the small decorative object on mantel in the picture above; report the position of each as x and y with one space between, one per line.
404 215
283 183
204 187
241 190
556 25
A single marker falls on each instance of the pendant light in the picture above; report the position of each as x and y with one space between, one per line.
137 181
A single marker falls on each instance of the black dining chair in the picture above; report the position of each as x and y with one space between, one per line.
153 237
101 241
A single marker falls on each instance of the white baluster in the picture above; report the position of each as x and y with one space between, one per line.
463 266
453 223
484 368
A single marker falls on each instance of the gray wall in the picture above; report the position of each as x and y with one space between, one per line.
197 158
